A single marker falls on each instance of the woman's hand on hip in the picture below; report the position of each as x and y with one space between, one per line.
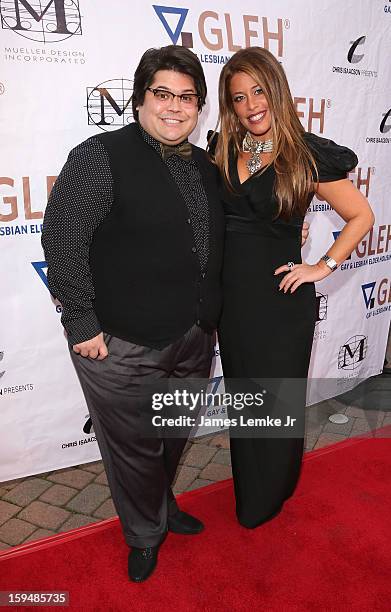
299 274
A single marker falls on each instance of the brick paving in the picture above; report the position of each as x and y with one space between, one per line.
28 490
44 515
7 511
42 505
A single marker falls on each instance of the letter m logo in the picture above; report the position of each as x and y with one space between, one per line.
352 353
108 104
54 18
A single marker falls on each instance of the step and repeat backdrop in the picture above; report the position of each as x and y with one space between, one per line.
66 74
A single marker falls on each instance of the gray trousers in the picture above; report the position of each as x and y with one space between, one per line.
140 469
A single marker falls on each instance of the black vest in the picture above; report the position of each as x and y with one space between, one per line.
149 288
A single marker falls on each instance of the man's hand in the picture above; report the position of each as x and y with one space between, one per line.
304 233
94 348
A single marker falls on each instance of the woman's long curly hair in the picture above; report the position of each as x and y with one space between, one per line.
293 162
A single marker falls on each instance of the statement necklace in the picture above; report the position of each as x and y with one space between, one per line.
255 147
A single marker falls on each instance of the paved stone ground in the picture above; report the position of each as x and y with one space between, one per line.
57 501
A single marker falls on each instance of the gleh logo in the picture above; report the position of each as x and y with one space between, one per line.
377 293
374 248
41 269
368 290
50 23
168 15
223 32
335 236
312 112
353 352
352 57
109 104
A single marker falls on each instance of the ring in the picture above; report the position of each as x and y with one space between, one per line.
290 264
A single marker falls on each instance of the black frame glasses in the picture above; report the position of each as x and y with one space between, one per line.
165 95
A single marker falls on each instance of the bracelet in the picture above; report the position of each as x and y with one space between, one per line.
330 262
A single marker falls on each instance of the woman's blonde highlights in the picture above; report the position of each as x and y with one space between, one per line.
293 161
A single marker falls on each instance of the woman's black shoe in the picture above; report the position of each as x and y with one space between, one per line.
184 523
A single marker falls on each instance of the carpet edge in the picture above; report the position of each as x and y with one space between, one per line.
60 538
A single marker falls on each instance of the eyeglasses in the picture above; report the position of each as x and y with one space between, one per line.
186 99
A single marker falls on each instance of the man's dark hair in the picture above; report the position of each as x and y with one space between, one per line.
172 57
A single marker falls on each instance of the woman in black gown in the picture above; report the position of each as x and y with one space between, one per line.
270 170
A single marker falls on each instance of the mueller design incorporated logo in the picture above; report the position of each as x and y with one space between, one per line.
377 297
109 104
352 353
321 315
42 21
321 307
355 55
222 32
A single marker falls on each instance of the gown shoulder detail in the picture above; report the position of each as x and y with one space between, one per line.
333 161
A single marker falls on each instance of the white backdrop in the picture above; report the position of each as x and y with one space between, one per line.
54 56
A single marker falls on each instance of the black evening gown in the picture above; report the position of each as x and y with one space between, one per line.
263 332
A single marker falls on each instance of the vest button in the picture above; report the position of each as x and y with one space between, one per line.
194 249
198 322
188 221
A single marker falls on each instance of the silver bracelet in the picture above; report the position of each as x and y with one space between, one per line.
330 262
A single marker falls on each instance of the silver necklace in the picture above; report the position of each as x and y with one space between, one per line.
255 147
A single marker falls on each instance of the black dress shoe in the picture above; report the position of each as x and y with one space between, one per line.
142 562
184 523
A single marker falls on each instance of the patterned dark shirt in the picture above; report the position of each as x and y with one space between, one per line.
187 176
81 198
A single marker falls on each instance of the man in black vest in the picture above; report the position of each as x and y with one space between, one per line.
133 238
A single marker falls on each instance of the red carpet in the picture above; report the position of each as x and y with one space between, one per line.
329 550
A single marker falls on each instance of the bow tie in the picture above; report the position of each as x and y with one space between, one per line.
183 150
